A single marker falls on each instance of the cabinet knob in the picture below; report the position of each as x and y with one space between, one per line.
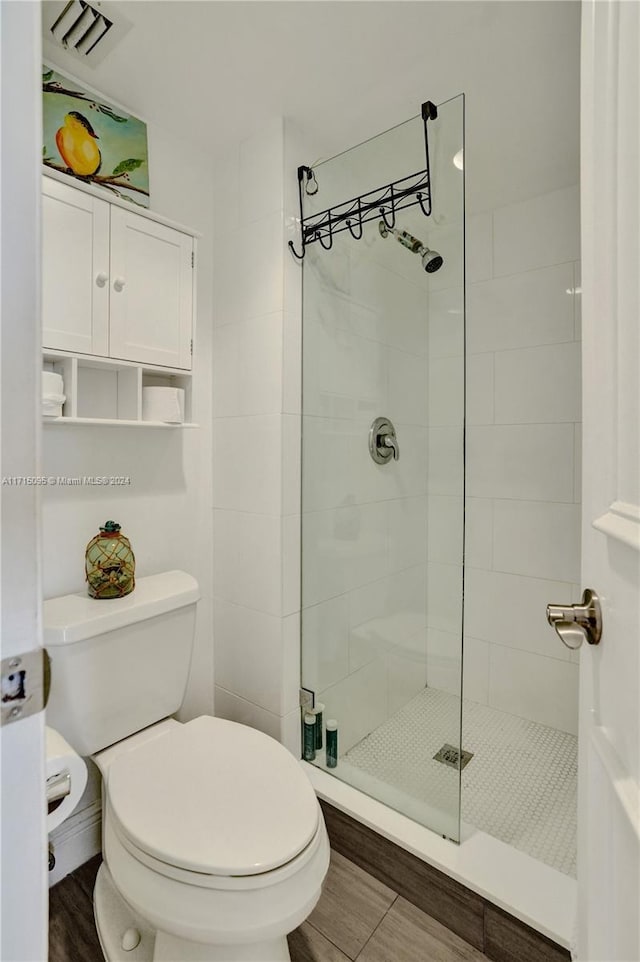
119 283
101 278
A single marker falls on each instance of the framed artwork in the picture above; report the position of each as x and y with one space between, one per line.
91 140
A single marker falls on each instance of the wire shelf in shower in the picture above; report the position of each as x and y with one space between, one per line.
381 203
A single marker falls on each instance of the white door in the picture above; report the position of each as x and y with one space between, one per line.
151 291
608 812
75 270
23 916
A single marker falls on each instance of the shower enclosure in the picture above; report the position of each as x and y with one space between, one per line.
383 464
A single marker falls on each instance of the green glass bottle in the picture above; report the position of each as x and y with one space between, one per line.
110 563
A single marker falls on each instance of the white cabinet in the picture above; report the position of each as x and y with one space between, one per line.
75 277
151 291
115 283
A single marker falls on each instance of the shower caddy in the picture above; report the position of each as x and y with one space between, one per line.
383 202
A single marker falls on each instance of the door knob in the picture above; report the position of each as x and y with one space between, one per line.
119 283
101 278
574 623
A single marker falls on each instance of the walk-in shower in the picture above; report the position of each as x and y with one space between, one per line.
386 600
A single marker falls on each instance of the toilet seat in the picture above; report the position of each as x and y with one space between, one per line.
212 798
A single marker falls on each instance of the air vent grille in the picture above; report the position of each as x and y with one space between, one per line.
88 31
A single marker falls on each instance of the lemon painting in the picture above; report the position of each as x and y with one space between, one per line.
93 141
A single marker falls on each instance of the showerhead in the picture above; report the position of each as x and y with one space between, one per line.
431 260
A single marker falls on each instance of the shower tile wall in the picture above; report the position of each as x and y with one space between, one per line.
523 438
364 525
256 431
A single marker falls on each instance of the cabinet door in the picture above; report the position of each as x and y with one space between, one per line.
75 270
151 291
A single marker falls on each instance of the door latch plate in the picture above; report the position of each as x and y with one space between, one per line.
24 685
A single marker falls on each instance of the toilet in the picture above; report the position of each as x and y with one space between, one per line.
214 844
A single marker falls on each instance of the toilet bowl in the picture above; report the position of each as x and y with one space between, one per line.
214 839
214 843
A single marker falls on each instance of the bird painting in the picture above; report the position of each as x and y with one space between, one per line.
76 141
86 139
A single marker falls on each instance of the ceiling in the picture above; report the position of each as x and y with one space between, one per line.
213 71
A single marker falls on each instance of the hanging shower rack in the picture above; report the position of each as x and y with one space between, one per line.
383 202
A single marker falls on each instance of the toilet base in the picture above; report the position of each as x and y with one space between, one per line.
114 916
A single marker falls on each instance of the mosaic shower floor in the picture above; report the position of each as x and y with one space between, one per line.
520 785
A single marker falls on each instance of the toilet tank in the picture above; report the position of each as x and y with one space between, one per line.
119 664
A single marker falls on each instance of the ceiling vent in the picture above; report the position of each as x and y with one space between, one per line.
88 31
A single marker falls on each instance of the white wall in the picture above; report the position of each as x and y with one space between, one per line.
522 469
256 431
166 511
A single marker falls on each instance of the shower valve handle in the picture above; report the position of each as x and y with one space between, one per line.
383 444
574 623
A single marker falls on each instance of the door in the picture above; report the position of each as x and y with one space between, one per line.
23 916
75 271
151 291
609 815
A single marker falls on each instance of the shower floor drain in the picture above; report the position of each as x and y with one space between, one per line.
449 755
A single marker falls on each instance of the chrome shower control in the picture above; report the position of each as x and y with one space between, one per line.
383 444
574 623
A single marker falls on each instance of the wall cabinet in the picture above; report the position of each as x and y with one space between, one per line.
116 283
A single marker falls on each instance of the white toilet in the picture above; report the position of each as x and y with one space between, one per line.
214 843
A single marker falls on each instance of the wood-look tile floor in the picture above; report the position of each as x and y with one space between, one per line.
357 917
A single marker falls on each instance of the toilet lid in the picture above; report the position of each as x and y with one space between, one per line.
214 796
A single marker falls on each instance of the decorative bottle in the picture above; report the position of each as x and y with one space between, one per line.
110 563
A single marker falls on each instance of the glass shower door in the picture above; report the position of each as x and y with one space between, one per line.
383 475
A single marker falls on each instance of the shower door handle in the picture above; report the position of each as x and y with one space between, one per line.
574 623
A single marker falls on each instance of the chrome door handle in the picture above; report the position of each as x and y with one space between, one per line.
575 623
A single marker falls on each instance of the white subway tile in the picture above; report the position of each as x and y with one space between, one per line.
475 670
577 462
541 689
343 548
537 539
290 567
358 703
291 463
325 638
523 310
385 613
532 462
249 656
446 461
510 610
444 660
577 299
247 367
407 533
334 442
445 529
446 323
235 708
538 232
290 733
446 391
247 560
247 464
538 385
261 173
339 366
198 699
444 598
292 363
406 673
408 384
480 389
479 247
478 532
